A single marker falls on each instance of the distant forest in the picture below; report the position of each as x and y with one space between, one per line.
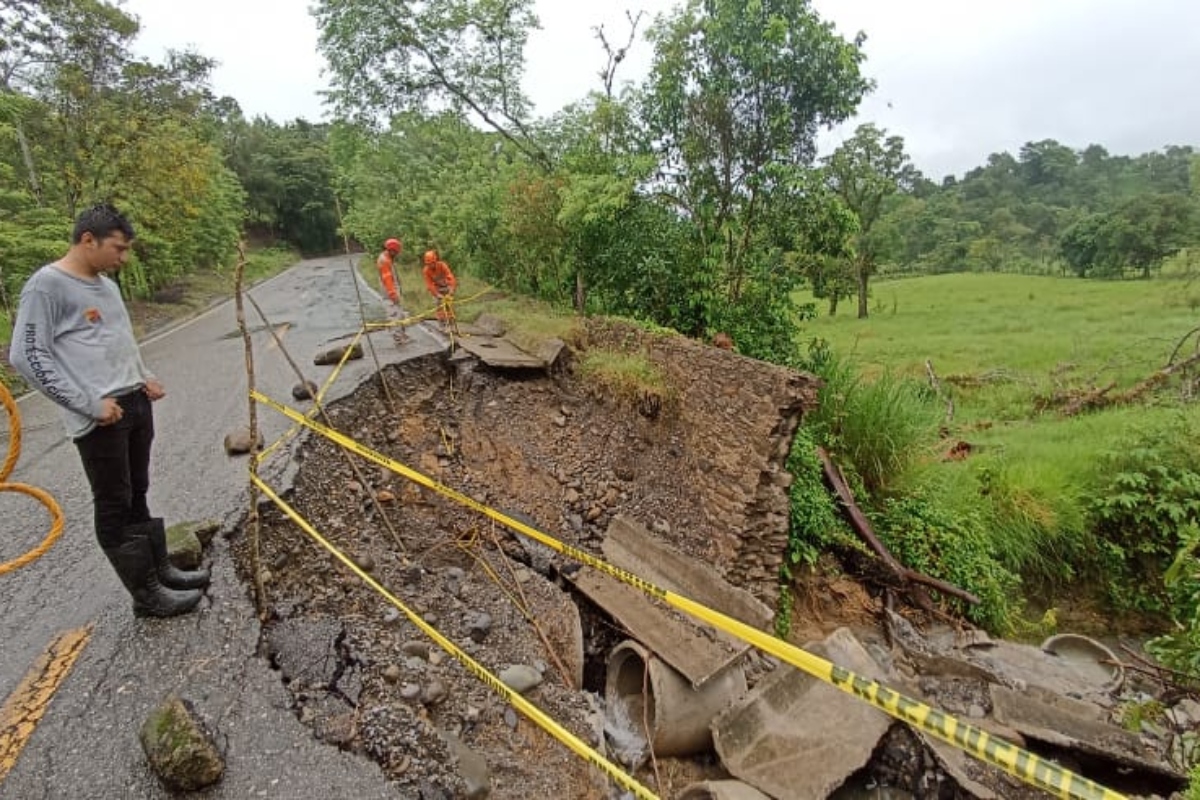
1049 209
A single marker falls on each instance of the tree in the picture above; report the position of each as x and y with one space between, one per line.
427 56
863 172
736 95
89 122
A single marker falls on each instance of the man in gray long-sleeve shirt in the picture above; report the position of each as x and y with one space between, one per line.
73 342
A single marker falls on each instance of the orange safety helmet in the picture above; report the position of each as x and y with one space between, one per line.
392 245
431 257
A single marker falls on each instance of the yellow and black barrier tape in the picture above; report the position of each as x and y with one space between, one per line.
1028 767
320 397
516 699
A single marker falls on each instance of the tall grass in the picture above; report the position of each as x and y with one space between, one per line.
879 426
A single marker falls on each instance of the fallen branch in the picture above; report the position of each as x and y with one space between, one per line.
860 524
1089 401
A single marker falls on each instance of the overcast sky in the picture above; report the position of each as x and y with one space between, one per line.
958 79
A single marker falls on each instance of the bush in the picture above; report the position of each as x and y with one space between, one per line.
931 536
814 525
1143 501
1180 650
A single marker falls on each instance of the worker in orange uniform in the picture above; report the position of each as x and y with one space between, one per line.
441 283
391 287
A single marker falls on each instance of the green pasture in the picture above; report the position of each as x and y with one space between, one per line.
1001 341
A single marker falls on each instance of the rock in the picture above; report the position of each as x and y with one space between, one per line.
410 691
183 546
392 673
479 625
305 391
333 355
384 496
434 693
365 562
237 442
661 527
473 769
181 753
571 497
337 730
392 617
520 678
594 513
416 650
559 421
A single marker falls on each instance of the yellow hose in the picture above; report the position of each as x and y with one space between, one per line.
41 495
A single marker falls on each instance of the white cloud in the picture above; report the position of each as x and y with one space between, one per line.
958 80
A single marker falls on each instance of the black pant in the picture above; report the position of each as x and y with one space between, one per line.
116 459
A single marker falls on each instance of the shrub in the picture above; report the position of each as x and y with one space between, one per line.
931 536
1144 499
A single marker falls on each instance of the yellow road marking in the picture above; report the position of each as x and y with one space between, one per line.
24 708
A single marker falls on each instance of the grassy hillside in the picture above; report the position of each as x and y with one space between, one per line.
1010 350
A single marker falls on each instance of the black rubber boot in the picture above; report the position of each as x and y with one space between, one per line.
168 574
133 559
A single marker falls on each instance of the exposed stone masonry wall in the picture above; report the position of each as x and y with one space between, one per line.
736 417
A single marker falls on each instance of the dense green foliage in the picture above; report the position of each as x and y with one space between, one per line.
82 121
1145 505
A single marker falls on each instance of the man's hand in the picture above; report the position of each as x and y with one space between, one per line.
112 412
154 390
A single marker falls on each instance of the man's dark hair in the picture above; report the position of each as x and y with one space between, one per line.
101 222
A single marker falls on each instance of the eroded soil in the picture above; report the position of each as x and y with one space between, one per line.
549 451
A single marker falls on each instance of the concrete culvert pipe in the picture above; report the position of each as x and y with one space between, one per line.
722 790
677 716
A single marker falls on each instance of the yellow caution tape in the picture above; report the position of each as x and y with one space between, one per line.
1026 766
316 409
518 701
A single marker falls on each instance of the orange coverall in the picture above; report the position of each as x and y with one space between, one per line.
387 275
439 280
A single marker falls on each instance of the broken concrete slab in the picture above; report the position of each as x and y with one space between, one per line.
1043 716
954 762
795 736
500 353
695 650
548 350
630 545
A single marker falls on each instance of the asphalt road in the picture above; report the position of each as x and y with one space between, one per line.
86 745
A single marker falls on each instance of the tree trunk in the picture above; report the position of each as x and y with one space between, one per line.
35 186
863 276
833 301
580 292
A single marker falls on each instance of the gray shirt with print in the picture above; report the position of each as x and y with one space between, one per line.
73 342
